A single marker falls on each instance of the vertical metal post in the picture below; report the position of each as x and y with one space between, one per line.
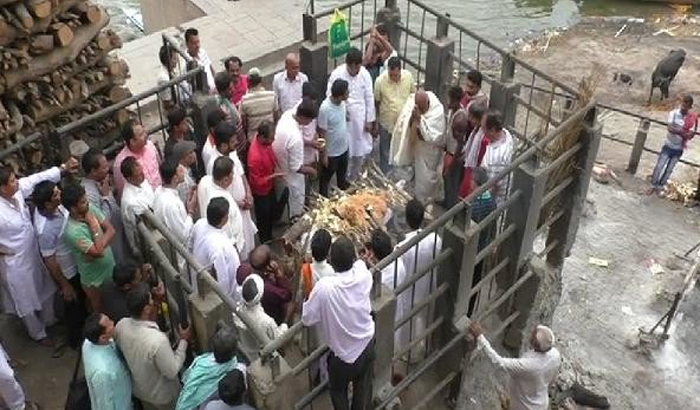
442 26
638 148
507 68
564 229
308 23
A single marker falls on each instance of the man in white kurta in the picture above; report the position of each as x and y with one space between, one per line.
210 188
26 289
11 393
288 147
415 259
137 197
169 208
251 294
361 109
240 192
211 246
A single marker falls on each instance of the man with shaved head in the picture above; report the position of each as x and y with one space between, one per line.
287 84
531 374
427 128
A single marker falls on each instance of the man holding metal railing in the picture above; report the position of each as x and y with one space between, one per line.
198 54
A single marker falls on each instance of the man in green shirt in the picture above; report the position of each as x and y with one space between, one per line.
88 235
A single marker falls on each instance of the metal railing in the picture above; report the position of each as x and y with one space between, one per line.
493 292
182 281
546 99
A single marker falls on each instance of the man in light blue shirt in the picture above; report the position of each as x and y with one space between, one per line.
332 126
106 374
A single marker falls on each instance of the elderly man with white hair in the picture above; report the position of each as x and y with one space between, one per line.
531 374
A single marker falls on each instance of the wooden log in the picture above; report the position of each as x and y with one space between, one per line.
122 116
23 15
62 34
49 62
4 28
91 14
14 29
4 115
42 43
103 41
40 8
118 93
16 121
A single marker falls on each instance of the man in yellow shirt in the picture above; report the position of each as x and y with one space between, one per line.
391 90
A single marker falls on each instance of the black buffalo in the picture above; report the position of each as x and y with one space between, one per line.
665 72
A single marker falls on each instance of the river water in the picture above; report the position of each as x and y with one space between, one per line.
501 21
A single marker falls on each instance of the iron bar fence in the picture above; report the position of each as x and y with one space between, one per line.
542 100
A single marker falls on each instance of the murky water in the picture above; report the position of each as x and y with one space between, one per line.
499 20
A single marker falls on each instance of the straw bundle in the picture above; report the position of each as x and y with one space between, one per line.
568 138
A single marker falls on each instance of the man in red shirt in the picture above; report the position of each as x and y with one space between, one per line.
239 81
261 177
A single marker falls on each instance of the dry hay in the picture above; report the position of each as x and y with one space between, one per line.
680 192
568 138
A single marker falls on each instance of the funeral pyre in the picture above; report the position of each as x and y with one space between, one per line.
366 206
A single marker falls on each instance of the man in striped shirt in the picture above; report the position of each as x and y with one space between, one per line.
257 105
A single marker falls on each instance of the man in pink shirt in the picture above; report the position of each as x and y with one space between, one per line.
239 81
137 145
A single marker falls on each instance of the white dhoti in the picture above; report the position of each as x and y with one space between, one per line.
427 165
11 393
421 145
361 111
297 190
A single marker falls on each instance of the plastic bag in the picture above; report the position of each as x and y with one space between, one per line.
338 35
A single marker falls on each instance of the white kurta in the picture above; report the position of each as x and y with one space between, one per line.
417 257
393 276
24 281
206 191
248 342
170 210
360 105
238 193
289 152
211 247
497 157
135 200
429 150
11 392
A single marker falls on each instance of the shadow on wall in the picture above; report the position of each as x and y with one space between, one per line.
161 14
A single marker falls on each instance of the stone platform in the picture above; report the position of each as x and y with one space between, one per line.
260 32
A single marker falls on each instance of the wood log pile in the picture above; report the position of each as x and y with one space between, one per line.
56 67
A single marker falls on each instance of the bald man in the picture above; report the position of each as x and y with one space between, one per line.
427 124
531 374
287 84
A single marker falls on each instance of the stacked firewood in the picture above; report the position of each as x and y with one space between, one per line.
56 67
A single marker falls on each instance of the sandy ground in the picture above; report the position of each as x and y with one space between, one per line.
602 308
572 54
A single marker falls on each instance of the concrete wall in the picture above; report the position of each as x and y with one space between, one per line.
161 14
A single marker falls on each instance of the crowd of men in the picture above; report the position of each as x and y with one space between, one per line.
221 196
